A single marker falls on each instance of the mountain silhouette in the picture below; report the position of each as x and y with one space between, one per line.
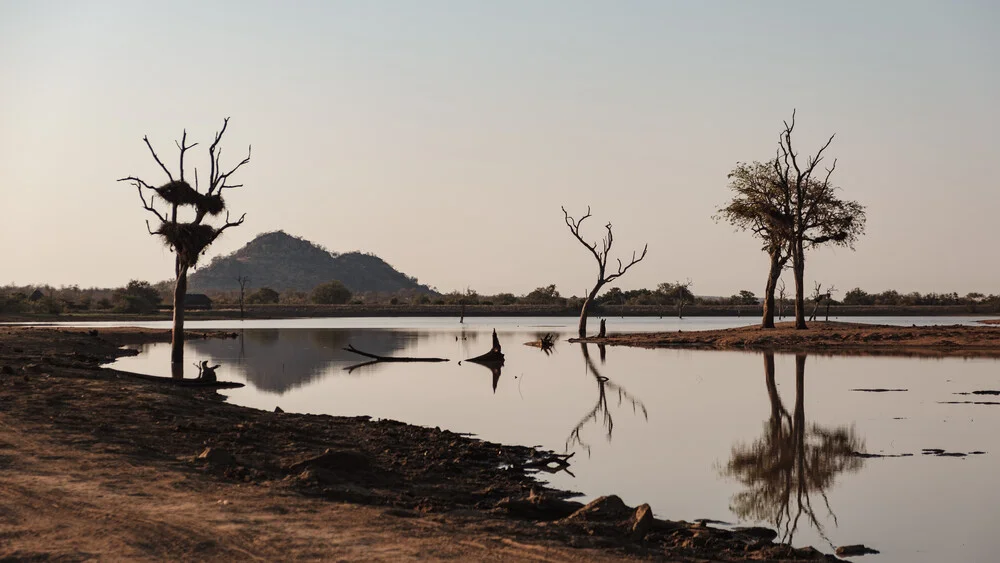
281 262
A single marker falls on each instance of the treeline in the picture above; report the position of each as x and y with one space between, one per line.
858 296
141 297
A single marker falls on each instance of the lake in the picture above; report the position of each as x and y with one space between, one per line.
743 438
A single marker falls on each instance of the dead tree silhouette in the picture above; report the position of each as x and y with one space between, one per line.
603 277
187 239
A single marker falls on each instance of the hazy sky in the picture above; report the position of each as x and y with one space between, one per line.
444 135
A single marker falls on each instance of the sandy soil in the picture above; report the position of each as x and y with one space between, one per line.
827 338
99 464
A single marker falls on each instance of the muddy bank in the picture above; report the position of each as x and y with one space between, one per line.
827 338
98 463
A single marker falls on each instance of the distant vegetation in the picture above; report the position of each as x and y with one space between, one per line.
663 299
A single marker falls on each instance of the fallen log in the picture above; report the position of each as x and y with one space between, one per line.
377 358
177 382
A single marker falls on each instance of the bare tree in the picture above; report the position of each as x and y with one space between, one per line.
678 293
187 239
781 299
243 281
818 297
601 255
812 213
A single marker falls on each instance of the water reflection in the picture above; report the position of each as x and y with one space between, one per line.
279 360
492 360
791 462
600 411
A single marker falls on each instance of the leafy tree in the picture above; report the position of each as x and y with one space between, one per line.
136 297
858 296
758 206
263 296
505 299
331 293
677 293
543 295
746 297
188 239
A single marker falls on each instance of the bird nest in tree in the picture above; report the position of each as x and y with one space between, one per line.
180 192
188 240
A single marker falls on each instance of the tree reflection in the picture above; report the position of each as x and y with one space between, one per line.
791 462
601 411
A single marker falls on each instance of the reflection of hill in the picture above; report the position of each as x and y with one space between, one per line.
277 360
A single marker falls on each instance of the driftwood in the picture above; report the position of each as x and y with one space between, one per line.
186 382
376 358
551 463
495 355
546 342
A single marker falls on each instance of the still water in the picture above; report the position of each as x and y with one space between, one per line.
743 438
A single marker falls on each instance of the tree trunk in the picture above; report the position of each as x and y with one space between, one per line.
177 336
799 269
586 308
777 408
799 427
767 319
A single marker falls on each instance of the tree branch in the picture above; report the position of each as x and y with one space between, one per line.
145 138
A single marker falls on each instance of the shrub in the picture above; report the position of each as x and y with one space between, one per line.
331 293
263 296
136 297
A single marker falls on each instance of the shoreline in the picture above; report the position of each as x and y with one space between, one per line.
92 455
826 337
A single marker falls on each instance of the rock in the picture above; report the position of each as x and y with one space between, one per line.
335 460
809 552
642 520
278 410
216 456
603 508
854 550
538 507
317 475
758 532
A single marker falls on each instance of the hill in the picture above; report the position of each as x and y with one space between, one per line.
282 261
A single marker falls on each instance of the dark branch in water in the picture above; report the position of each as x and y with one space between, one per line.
377 358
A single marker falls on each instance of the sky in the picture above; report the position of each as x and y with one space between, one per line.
444 136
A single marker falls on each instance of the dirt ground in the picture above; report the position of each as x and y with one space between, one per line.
100 464
827 338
